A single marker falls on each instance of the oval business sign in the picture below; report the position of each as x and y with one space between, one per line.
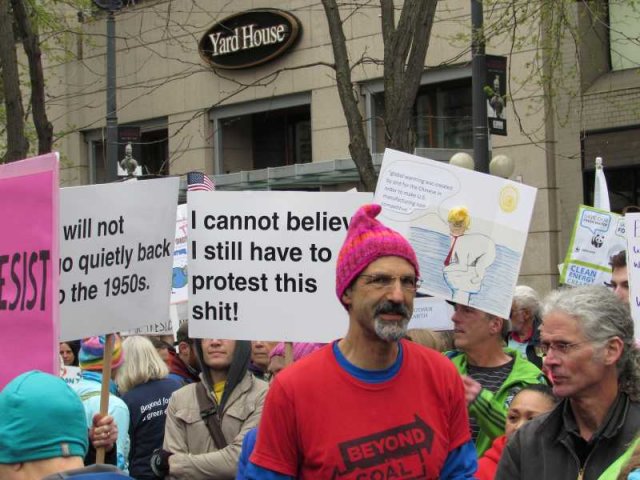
249 38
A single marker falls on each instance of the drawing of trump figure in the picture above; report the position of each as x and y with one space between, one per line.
470 254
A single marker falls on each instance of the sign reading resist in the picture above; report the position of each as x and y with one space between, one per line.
249 38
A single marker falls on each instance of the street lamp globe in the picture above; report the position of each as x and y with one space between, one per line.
501 166
463 160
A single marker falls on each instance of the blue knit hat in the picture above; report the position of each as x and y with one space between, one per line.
41 417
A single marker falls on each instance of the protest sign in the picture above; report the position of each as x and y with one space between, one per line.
597 235
116 255
179 287
432 313
632 224
70 374
262 264
28 261
468 229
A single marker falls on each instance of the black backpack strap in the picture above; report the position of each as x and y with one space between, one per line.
210 416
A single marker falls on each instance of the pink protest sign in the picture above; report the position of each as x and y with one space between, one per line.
29 266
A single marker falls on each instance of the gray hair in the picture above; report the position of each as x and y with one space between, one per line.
602 316
142 364
527 298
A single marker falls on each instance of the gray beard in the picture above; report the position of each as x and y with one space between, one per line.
391 331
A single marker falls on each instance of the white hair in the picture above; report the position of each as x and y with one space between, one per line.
142 364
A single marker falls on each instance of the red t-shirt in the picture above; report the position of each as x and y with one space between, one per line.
488 463
320 422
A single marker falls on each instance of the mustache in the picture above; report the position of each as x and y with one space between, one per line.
392 308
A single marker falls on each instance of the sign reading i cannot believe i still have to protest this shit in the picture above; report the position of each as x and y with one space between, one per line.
116 254
28 266
468 229
262 264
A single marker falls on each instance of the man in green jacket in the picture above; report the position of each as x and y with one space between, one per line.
491 373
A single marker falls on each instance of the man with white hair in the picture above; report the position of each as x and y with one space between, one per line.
594 365
525 323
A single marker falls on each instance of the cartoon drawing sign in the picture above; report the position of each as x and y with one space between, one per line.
28 266
597 235
469 229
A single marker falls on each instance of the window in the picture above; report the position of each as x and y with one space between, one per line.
150 149
619 151
442 116
263 134
624 34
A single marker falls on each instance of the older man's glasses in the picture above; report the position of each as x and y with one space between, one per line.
385 282
561 348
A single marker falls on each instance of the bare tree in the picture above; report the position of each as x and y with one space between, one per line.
31 43
405 48
17 144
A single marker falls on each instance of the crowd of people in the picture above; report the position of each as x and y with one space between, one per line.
550 392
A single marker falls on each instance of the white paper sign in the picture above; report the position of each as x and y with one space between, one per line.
179 287
597 236
632 221
70 374
476 265
116 253
262 264
432 313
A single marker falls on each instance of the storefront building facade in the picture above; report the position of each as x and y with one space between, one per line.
252 102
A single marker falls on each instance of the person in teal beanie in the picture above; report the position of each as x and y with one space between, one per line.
45 438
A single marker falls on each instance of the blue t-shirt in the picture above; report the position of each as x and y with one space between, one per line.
147 408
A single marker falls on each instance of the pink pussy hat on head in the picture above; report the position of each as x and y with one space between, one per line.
367 240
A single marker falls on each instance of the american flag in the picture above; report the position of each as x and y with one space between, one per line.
199 181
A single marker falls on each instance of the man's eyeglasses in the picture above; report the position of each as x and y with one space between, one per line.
382 281
561 348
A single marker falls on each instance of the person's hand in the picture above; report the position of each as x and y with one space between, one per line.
471 389
160 462
104 432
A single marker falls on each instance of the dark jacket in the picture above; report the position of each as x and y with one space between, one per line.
544 448
181 371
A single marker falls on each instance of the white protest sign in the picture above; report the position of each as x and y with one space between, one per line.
116 252
597 236
474 260
632 221
432 313
179 287
262 264
70 374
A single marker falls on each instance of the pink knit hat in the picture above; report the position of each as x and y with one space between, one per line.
367 240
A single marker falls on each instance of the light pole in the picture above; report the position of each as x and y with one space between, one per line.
478 82
111 6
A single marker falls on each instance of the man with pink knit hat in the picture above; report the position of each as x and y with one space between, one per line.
91 362
371 405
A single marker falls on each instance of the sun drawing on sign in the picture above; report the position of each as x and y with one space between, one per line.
508 200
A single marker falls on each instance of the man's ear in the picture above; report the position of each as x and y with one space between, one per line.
495 325
346 297
613 350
